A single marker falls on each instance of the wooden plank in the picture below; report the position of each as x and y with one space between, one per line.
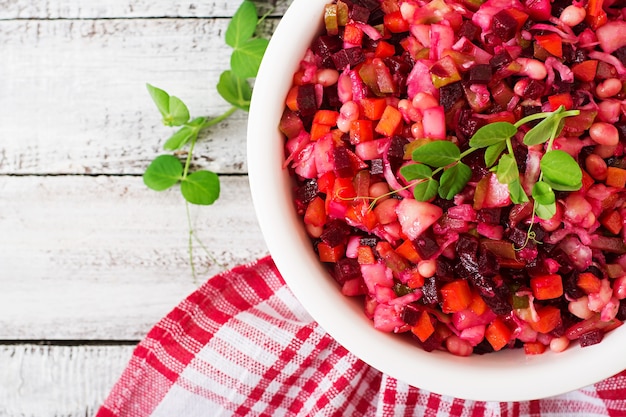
77 9
105 258
74 98
55 381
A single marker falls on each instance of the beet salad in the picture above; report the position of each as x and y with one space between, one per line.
459 165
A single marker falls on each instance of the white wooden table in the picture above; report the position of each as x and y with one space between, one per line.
90 259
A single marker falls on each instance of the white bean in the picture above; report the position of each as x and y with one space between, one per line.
532 68
427 268
573 15
604 134
559 344
327 77
608 88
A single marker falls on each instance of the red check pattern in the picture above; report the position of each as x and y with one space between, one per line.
241 345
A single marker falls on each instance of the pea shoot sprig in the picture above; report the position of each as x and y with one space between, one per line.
439 169
202 187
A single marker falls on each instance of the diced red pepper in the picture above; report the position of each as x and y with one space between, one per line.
586 70
563 99
552 43
547 287
319 130
361 131
315 213
373 107
343 189
352 34
498 334
389 122
395 23
588 282
325 182
616 177
329 253
612 221
549 318
407 249
384 50
456 296
424 328
534 348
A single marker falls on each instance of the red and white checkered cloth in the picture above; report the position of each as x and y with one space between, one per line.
242 345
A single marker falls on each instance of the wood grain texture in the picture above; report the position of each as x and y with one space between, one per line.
105 258
74 101
85 9
56 381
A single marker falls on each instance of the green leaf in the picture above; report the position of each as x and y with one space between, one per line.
453 180
235 90
426 189
543 194
160 98
179 139
507 171
163 172
493 152
416 172
545 129
440 153
246 59
492 134
561 171
178 114
517 193
545 211
242 25
201 187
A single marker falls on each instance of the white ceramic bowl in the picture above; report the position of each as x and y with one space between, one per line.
503 376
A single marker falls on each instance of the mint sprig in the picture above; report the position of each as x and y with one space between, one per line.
559 170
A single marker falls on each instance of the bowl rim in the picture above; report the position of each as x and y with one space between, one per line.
482 378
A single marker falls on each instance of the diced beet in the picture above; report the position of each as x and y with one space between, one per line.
359 13
504 25
573 55
350 57
445 270
449 94
395 153
410 314
534 89
347 269
467 252
621 312
430 291
487 264
324 46
370 241
467 125
489 215
377 167
469 30
570 286
343 163
307 191
331 97
620 53
621 131
479 74
483 348
399 64
497 299
307 100
432 343
592 337
425 246
500 60
335 233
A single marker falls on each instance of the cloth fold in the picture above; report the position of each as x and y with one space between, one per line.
242 345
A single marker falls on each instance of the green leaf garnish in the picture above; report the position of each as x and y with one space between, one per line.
518 196
242 25
493 152
426 189
453 180
440 153
542 132
543 194
492 134
162 173
201 187
507 171
246 59
160 98
561 171
235 90
416 172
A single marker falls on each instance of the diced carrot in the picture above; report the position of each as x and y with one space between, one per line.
392 259
586 70
588 282
325 182
612 221
547 287
519 16
360 213
373 108
477 305
563 99
384 50
329 253
424 328
319 130
326 117
587 181
315 213
534 348
552 43
343 189
389 121
616 177
549 318
365 255
456 296
416 279
407 249
352 34
395 23
292 98
498 334
361 131
596 16
609 202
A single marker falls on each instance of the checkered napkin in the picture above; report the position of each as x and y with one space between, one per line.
241 345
